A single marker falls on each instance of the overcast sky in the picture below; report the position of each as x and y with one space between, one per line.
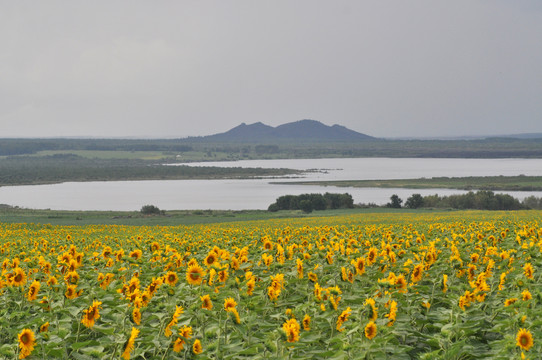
387 68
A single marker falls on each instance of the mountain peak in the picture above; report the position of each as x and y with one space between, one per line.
305 130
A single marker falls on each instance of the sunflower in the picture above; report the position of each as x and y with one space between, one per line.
196 347
71 277
107 279
344 274
334 301
373 314
27 341
91 314
528 271
524 339
371 255
178 345
52 281
19 277
178 312
526 295
370 330
71 292
329 257
393 313
33 290
417 273
306 322
206 302
133 285
130 344
342 319
194 274
154 285
136 254
223 275
312 277
184 332
44 327
136 315
211 259
235 263
106 252
250 285
509 302
359 264
401 282
229 304
444 283
119 255
291 328
299 266
171 278
268 245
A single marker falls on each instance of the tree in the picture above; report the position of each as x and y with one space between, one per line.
395 202
414 202
151 210
306 206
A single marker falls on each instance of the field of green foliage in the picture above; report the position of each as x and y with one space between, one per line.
455 285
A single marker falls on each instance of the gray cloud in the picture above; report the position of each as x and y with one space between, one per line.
184 68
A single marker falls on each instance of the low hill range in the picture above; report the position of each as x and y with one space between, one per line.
302 130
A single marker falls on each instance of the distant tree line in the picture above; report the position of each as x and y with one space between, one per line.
32 146
479 148
480 200
310 202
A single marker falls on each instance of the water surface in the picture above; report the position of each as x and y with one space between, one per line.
259 193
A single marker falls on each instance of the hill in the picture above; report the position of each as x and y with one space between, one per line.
302 130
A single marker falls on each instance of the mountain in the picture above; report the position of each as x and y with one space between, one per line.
302 130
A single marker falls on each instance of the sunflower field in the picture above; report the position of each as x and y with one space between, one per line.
443 285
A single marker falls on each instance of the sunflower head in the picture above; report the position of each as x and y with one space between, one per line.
524 339
211 259
196 347
194 274
370 330
27 341
19 277
291 328
171 278
229 304
206 302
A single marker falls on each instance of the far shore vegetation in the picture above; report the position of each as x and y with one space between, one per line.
50 169
495 183
480 200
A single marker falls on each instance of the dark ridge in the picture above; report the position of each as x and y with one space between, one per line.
302 130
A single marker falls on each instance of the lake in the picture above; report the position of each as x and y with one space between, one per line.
259 193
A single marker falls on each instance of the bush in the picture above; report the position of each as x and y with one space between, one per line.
151 210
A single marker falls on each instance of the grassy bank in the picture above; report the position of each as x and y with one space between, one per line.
495 183
173 217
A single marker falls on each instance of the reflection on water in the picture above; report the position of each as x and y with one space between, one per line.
258 193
